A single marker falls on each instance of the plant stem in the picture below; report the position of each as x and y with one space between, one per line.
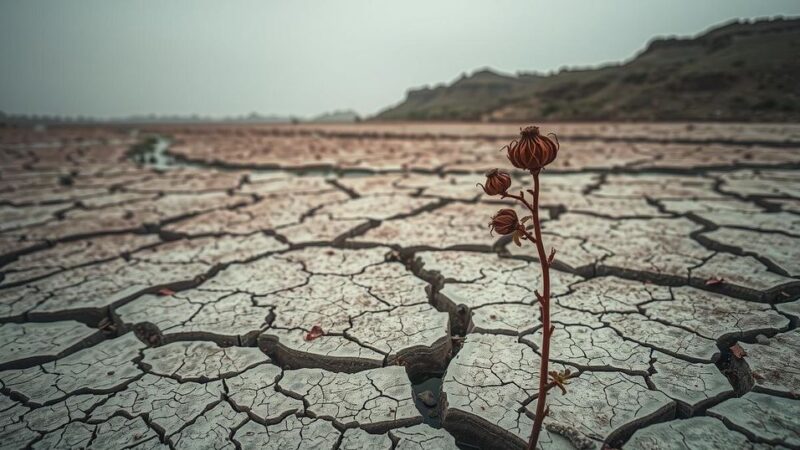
544 301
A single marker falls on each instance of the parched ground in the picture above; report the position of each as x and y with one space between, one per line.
159 288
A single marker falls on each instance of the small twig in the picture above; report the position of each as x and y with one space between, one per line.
520 198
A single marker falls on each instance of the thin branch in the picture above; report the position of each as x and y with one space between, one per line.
518 198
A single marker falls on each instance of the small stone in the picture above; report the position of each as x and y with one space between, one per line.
427 398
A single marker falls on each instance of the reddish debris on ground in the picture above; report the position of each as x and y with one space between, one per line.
738 352
316 331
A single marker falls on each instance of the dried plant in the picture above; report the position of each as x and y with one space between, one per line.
532 152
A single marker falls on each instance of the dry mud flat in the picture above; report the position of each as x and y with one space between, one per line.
168 304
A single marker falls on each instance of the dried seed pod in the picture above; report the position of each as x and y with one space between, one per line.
533 151
497 182
505 221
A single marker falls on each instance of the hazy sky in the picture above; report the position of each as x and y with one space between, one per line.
211 57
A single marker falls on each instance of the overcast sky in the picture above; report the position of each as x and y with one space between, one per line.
123 57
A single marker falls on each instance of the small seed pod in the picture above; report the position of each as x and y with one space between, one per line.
505 222
497 182
533 151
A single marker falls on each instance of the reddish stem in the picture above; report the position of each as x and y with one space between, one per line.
545 309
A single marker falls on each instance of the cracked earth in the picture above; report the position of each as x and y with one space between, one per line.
164 288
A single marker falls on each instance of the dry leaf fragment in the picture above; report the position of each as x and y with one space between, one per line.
316 331
106 325
516 238
560 378
393 255
738 351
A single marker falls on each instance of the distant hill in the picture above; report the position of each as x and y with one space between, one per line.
34 119
344 116
742 71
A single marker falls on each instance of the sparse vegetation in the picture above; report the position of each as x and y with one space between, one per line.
532 153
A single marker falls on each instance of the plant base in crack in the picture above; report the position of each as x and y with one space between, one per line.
532 152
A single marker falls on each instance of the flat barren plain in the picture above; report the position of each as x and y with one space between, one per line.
336 286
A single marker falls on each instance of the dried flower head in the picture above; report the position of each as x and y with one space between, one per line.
533 151
497 182
505 221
